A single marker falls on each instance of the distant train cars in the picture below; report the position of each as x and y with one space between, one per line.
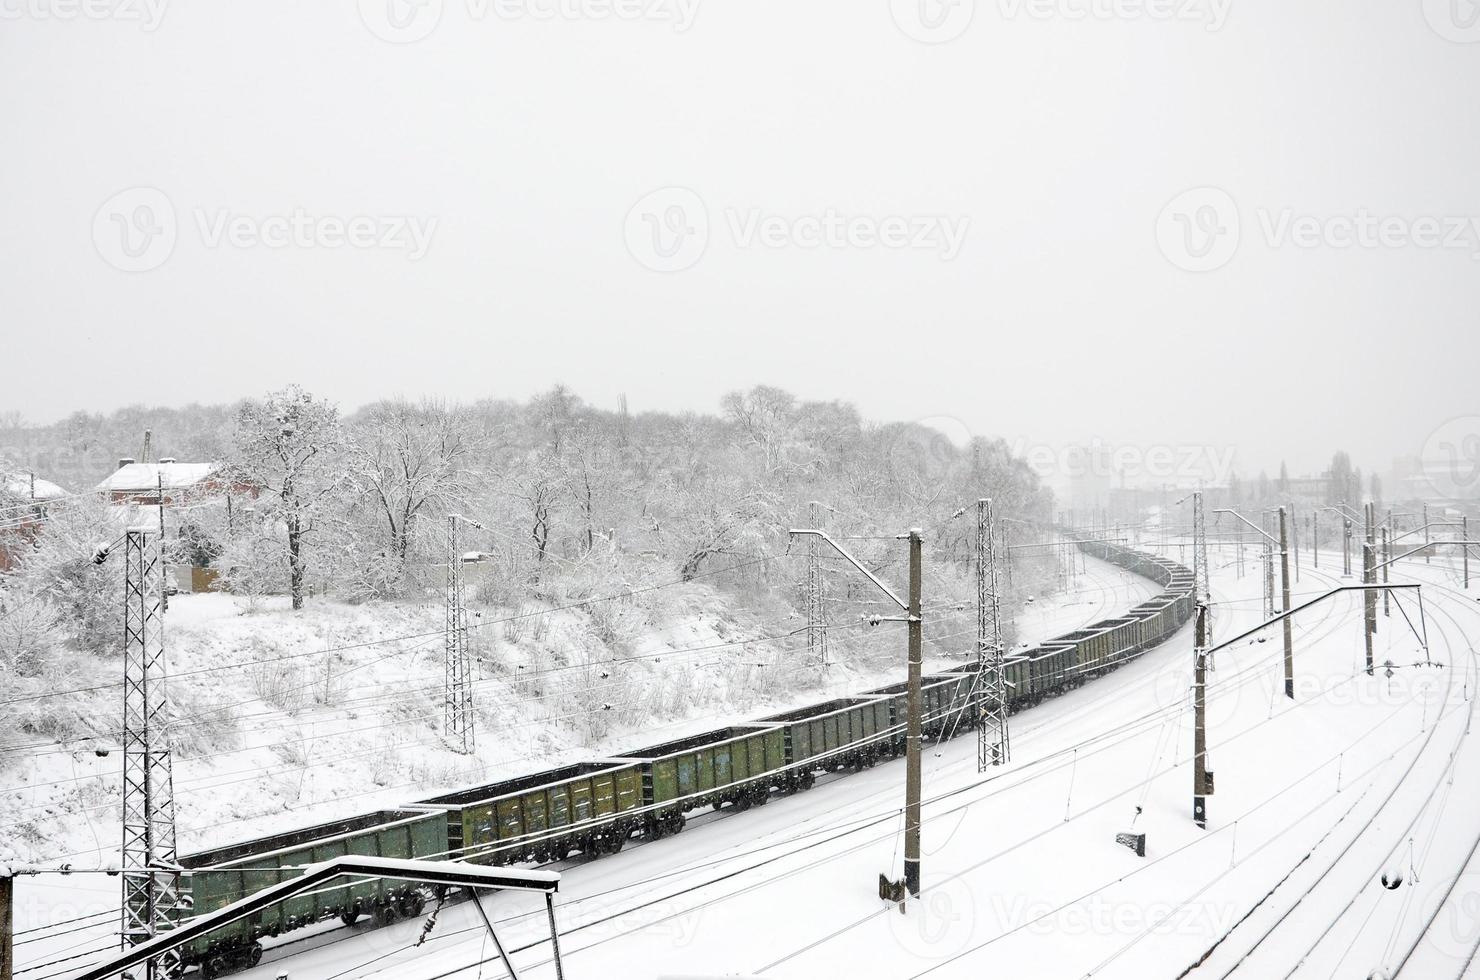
595 807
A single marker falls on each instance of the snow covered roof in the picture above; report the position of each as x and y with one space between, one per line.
148 476
20 486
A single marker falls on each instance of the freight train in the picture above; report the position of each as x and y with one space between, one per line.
594 808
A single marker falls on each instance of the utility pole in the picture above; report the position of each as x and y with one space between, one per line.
7 926
991 721
898 891
1294 540
458 682
1387 552
912 740
151 879
1369 577
1426 559
816 627
1268 556
1202 590
1202 781
1285 606
1465 537
1346 545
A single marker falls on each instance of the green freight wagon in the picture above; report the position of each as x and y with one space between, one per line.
938 694
219 877
846 733
736 765
544 816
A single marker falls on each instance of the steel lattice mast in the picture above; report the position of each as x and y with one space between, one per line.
814 601
151 880
458 688
991 685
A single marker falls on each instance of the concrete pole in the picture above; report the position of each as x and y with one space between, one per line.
1426 534
1294 540
1369 577
912 742
7 927
1465 536
1285 606
1387 553
1200 789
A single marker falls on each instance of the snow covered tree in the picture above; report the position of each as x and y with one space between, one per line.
408 460
287 445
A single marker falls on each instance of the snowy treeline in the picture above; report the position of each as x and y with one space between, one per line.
575 502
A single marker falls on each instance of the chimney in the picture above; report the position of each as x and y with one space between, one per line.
125 461
148 442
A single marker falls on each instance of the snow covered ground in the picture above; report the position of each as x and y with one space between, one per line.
338 706
1315 799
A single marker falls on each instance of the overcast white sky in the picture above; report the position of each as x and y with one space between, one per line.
1032 153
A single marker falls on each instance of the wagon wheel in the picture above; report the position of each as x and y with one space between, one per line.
762 795
350 915
807 779
743 803
616 841
383 915
254 955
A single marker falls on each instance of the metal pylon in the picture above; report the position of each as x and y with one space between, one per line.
458 688
151 879
814 599
991 721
